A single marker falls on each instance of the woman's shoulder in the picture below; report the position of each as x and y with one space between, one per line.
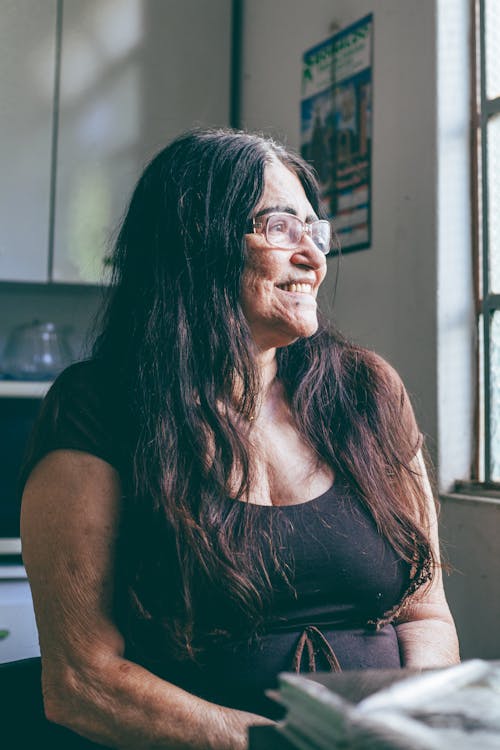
85 375
376 381
363 362
392 392
362 368
384 371
83 387
77 413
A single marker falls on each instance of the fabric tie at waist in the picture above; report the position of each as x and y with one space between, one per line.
315 642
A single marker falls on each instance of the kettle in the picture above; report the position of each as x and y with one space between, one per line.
36 351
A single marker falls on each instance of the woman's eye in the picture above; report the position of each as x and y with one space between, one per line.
278 226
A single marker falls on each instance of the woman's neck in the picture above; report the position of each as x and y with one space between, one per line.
271 391
268 367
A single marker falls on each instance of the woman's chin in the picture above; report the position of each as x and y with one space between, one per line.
284 336
305 327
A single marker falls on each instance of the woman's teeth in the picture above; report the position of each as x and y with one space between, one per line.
301 288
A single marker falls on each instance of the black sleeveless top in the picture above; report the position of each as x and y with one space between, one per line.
344 575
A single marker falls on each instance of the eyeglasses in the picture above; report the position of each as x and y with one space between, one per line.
286 231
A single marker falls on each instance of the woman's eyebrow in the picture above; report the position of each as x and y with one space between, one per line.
276 210
282 210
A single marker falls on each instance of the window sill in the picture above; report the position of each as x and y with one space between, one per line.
476 488
488 497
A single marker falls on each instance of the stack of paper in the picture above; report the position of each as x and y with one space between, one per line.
457 707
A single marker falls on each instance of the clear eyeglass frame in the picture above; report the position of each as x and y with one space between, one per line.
292 232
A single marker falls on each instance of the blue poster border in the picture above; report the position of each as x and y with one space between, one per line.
336 133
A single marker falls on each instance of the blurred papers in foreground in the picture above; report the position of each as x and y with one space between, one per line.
457 707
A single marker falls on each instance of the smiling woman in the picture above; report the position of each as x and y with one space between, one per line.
227 489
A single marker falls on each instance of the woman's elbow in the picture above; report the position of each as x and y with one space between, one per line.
70 699
56 709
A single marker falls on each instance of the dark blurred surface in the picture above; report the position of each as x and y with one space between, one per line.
23 725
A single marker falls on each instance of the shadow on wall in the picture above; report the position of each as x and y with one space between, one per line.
470 530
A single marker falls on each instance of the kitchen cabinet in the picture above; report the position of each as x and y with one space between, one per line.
18 631
123 77
27 69
24 388
133 75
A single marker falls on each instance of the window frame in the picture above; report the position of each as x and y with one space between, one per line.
487 302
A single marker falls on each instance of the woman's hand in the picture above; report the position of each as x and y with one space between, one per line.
69 522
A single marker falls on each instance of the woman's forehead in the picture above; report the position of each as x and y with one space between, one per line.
282 189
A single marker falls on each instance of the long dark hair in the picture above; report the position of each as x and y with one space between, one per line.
176 341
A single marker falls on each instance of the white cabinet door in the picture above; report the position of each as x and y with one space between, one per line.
27 64
134 73
18 632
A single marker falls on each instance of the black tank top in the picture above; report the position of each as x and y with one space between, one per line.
344 574
345 578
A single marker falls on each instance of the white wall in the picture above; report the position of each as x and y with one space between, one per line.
408 297
386 296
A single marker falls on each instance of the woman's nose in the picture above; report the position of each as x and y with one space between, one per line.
308 253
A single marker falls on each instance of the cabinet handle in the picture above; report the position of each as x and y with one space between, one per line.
4 634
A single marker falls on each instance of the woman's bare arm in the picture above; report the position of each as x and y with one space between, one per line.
69 522
426 631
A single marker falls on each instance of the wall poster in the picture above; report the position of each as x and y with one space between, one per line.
336 125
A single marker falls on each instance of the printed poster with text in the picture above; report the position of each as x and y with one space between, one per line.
336 124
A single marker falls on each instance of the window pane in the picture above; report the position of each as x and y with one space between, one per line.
481 467
495 396
494 201
492 48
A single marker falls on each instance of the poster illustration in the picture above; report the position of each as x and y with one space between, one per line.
336 108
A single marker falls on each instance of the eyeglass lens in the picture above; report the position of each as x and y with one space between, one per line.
285 230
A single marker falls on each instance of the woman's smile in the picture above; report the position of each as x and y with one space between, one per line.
296 287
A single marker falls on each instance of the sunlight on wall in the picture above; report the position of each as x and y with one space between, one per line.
101 98
101 33
91 200
455 297
117 25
